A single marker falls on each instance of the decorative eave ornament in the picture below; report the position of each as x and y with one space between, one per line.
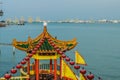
48 43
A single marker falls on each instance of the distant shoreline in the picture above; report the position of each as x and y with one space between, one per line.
22 21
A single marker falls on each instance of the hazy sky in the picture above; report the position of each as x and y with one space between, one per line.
62 9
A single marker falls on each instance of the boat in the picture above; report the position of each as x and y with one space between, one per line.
59 66
2 23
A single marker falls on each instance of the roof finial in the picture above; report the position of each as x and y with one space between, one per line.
45 23
45 26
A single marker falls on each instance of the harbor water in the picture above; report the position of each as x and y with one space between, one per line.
99 44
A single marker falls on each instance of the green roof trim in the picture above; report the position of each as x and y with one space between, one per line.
69 45
23 45
46 46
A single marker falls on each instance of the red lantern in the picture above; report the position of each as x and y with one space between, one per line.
90 76
37 46
55 47
63 56
18 66
60 52
41 41
7 76
13 71
53 44
27 58
77 67
67 59
83 71
23 62
72 62
30 55
34 51
49 40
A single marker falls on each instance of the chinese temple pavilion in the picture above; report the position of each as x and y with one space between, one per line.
47 47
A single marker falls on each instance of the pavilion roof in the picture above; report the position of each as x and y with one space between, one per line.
48 43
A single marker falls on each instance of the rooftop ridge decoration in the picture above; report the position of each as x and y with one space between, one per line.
47 40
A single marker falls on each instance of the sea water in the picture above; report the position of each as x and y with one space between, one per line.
98 43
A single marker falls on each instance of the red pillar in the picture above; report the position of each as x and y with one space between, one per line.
37 69
60 67
28 66
55 69
50 65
